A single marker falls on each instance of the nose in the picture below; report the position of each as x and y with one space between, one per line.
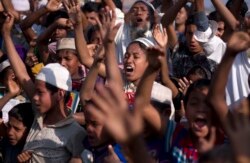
62 62
10 131
35 97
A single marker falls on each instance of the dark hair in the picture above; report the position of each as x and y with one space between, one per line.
199 70
91 31
197 85
53 16
215 16
190 20
91 7
243 9
118 4
54 89
24 113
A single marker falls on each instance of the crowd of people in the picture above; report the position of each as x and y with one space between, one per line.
165 81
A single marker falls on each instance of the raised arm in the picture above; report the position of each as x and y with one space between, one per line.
227 15
88 85
16 62
81 45
239 41
161 38
171 12
143 92
52 5
112 68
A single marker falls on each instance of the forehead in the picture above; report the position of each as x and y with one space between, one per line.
39 84
134 47
15 122
191 28
66 52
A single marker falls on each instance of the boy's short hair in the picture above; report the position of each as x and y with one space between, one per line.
56 75
91 7
199 70
23 112
197 85
53 16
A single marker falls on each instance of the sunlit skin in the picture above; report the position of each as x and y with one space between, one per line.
96 38
221 29
17 132
69 60
192 44
43 98
198 113
139 15
95 130
91 17
135 63
59 33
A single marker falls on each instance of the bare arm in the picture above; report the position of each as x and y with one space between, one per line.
81 46
112 68
227 16
16 62
171 13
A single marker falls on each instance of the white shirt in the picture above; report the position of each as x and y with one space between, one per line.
237 85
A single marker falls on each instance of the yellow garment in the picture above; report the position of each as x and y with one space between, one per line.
36 69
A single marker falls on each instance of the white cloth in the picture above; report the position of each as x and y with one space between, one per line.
214 47
7 107
122 40
237 84
21 5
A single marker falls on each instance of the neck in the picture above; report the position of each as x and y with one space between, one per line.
56 114
180 28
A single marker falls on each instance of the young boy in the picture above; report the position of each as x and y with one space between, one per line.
20 120
54 135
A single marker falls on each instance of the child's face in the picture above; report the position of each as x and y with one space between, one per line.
43 98
17 132
135 62
69 60
9 74
96 38
95 130
198 113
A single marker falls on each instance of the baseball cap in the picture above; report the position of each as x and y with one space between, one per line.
208 34
56 75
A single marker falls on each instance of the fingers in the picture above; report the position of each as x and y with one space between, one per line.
24 156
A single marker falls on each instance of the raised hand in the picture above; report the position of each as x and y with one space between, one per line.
53 5
206 144
160 36
74 12
184 84
239 41
8 23
109 28
110 106
12 86
63 22
155 57
237 127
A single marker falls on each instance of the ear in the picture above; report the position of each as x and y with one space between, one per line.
60 94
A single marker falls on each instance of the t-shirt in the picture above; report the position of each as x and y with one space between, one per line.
237 84
55 143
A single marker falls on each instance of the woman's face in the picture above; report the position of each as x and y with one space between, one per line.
135 62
